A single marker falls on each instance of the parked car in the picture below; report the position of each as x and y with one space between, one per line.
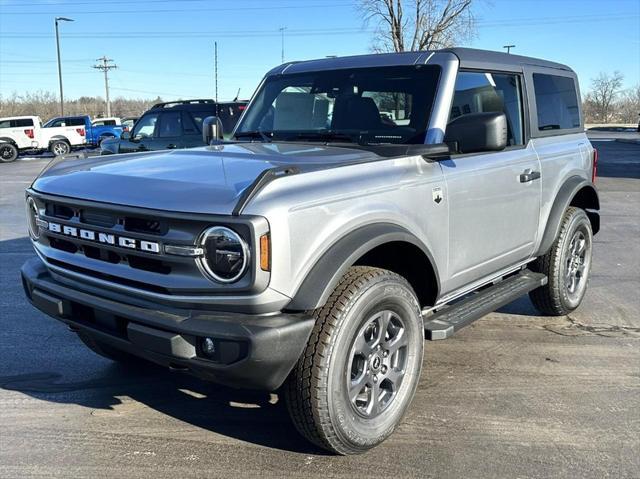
174 125
128 122
20 134
95 134
314 251
111 121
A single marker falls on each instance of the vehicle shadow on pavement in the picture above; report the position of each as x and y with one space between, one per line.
40 358
254 417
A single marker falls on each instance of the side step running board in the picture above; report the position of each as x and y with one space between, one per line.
443 323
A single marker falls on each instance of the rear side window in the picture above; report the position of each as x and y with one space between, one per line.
170 125
5 124
22 122
556 102
478 92
75 122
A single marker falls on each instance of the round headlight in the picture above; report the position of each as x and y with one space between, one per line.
32 218
226 254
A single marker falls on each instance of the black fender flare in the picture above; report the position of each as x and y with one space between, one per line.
568 191
333 264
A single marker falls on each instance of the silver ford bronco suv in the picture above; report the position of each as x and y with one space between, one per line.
362 205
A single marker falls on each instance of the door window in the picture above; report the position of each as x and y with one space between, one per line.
170 125
146 126
556 102
478 92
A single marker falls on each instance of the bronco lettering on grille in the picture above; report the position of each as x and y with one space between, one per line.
105 238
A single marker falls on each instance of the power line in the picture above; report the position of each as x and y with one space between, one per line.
183 10
105 67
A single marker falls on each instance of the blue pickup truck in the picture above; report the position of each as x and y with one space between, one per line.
94 134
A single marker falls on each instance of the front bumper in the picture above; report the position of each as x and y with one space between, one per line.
252 351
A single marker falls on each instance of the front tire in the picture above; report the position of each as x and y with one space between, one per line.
357 376
8 153
567 265
60 148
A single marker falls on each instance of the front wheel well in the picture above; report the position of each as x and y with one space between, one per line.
408 261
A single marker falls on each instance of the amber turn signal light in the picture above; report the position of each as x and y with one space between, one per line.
265 253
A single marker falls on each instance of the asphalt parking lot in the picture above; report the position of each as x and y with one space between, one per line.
513 395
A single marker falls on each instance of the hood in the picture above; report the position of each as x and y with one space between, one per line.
202 180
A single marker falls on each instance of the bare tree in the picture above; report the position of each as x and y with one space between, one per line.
413 25
629 105
45 105
601 99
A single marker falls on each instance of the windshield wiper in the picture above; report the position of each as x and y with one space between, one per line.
326 136
263 135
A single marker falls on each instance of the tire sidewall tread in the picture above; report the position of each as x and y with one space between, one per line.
310 386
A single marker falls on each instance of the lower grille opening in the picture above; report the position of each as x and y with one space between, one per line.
148 264
100 320
63 245
108 277
101 254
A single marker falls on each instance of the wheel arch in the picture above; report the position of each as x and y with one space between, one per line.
576 191
55 138
382 245
8 139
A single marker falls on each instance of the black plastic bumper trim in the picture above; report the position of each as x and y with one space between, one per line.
270 344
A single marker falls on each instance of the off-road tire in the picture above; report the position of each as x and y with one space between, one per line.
60 148
317 389
107 351
555 299
8 152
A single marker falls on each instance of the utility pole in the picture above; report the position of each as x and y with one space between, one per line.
509 47
105 67
282 29
60 19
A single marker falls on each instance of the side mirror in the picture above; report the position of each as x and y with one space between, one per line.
211 129
125 135
476 132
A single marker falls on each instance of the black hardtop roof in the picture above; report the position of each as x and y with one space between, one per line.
468 57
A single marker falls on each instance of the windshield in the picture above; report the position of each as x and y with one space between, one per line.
364 105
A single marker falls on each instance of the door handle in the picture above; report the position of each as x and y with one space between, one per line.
171 146
528 175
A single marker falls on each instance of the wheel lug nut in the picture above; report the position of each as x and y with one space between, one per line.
375 378
384 370
385 354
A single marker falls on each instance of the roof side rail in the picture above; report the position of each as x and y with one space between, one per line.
169 104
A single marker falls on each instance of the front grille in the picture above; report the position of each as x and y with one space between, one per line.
147 269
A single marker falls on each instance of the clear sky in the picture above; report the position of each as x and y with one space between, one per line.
165 47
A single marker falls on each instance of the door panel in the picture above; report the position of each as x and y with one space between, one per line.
493 214
494 197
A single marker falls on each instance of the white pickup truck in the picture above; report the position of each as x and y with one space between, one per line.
25 133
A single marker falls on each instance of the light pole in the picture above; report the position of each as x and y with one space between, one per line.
60 19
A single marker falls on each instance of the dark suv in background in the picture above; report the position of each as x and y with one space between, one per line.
174 125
